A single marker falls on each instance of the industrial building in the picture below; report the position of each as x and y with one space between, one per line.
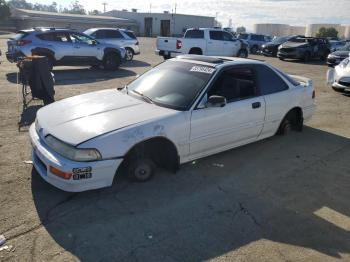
163 24
309 30
23 19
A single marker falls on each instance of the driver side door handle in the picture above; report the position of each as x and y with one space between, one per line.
256 105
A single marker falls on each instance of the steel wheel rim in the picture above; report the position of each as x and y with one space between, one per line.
143 171
128 54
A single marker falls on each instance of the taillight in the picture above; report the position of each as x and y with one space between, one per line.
178 44
313 94
23 42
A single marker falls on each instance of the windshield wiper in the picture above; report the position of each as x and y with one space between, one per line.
146 98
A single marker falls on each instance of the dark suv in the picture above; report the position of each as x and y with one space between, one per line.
304 48
64 47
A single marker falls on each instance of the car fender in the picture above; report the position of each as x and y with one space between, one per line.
116 144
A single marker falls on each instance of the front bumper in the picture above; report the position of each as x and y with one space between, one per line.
292 55
102 172
341 86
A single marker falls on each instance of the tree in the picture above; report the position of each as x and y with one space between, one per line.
75 8
94 12
327 32
240 30
4 10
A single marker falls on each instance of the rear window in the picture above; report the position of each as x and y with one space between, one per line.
20 35
194 34
130 34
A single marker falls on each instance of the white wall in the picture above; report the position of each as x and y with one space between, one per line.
178 22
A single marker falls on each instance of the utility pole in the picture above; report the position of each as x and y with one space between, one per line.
104 6
174 17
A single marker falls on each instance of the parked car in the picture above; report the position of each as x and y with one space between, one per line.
271 48
336 45
202 41
64 47
339 77
336 57
304 48
185 108
120 37
255 41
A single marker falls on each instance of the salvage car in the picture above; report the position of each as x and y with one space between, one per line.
336 57
271 48
304 48
339 77
116 36
185 108
64 47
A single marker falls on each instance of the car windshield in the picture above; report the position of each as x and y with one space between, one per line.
345 47
172 84
19 35
279 40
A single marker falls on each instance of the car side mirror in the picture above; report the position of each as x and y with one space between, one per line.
94 42
216 101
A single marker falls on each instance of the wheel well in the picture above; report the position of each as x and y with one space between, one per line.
298 113
160 149
196 50
130 49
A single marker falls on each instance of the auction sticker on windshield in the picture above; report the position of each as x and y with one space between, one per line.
202 69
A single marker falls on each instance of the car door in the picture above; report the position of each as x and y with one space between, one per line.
215 44
231 45
59 43
85 50
109 36
240 121
278 96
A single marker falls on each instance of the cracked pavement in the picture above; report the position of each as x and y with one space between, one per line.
254 203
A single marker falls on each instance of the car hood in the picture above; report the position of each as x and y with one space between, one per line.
293 45
341 53
77 119
270 44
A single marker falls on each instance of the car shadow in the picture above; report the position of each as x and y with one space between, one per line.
136 63
277 189
71 76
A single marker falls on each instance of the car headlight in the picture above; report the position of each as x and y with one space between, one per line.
72 153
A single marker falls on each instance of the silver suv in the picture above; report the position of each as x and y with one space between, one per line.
121 37
64 47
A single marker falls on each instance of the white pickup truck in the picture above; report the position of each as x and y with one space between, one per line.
202 41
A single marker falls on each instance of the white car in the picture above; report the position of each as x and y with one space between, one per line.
115 36
202 41
339 77
186 108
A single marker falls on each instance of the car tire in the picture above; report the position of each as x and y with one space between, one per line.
242 53
129 55
140 169
290 123
254 49
111 61
306 57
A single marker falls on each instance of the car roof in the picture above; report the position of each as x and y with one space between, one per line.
108 28
216 61
46 29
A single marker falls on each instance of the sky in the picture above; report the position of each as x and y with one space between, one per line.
241 12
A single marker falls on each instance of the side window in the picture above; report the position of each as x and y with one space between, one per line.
235 84
100 34
113 34
227 36
269 81
46 37
216 35
194 34
78 38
